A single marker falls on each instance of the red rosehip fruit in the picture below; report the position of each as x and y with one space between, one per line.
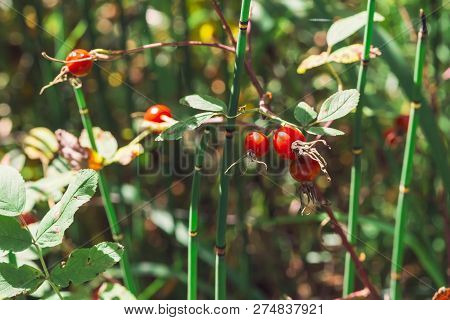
304 169
283 139
79 68
154 113
257 143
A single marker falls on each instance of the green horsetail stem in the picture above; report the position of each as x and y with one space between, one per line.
220 269
406 177
104 190
193 218
349 274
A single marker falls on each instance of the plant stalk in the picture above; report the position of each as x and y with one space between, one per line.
349 274
406 176
104 190
193 218
220 270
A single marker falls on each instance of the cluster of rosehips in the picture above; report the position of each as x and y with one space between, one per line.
302 167
393 136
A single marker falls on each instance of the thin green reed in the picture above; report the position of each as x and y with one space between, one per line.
193 217
220 270
406 177
349 275
104 190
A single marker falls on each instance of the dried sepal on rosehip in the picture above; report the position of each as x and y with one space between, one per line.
77 64
256 145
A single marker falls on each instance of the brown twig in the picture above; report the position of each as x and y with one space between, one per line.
359 267
357 295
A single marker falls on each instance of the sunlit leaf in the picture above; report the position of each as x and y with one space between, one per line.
85 264
60 217
12 236
204 102
12 192
338 105
175 132
351 54
304 114
319 131
344 28
312 61
15 281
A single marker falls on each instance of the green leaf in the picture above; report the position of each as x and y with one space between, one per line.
85 264
338 105
12 192
114 291
60 217
12 236
175 132
304 114
344 28
319 131
204 102
15 281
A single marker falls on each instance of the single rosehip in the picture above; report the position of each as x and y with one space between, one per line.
304 169
283 139
401 123
257 143
79 68
154 113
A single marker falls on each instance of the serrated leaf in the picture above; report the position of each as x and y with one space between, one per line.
15 281
85 264
60 217
338 105
312 61
105 141
12 236
204 102
304 114
12 192
319 131
114 291
175 132
344 28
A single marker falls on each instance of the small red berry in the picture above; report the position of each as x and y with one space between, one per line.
391 137
304 169
79 68
155 112
257 143
401 123
283 139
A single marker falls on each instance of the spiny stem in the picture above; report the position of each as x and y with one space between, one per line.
104 190
193 217
349 274
406 177
220 270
